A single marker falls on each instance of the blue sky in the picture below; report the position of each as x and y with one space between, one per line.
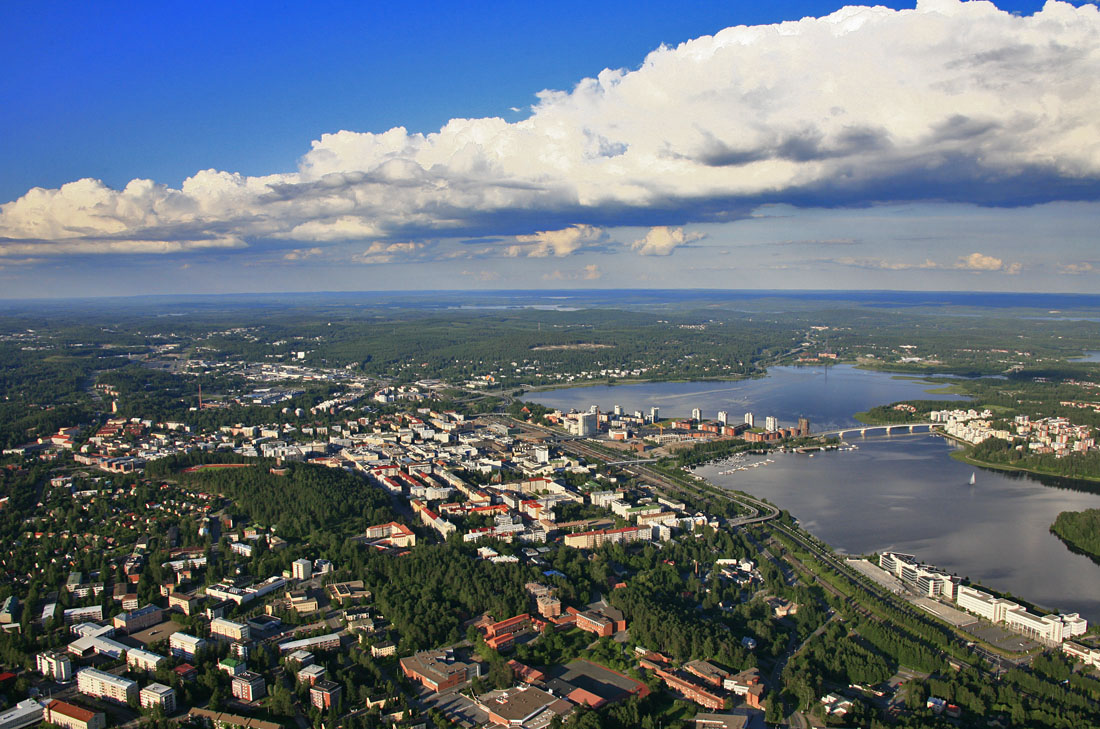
872 149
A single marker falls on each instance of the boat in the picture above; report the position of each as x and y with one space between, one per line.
973 478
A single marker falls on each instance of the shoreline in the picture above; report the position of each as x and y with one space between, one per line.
964 456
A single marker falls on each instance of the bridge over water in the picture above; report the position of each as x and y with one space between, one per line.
888 429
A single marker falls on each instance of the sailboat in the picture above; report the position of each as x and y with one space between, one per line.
973 478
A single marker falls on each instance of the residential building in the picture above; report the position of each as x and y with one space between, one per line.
93 613
182 645
70 716
157 695
325 695
248 686
383 650
142 660
186 604
221 720
54 665
593 539
223 629
92 682
311 674
327 642
301 569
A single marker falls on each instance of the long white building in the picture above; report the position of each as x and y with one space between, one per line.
92 682
917 577
1051 628
229 630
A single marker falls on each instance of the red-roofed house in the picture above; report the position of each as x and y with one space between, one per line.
71 716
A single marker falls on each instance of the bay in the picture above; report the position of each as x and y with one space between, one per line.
905 493
828 396
902 492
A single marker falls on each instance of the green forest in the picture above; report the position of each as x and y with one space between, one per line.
1080 530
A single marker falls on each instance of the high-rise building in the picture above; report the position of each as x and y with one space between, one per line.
586 424
804 427
654 414
750 420
54 665
723 417
771 423
696 414
618 410
301 569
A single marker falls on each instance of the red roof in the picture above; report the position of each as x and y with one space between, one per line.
587 698
73 712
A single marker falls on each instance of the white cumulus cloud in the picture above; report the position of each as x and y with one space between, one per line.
558 243
662 240
955 100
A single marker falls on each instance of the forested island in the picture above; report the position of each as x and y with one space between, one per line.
1080 530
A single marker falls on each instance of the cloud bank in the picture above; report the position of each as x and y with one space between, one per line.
952 100
975 262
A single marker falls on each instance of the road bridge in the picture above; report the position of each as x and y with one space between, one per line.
887 429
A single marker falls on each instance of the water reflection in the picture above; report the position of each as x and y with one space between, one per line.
906 493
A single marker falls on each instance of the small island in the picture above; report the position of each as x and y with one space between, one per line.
1080 530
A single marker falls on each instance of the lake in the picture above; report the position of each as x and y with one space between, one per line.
906 493
828 396
902 492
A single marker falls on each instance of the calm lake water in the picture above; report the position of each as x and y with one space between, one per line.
906 493
828 396
902 492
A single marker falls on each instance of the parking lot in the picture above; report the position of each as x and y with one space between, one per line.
1001 638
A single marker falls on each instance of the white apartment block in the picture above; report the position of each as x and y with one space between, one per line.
83 614
229 630
92 682
301 569
182 645
141 660
158 695
54 665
